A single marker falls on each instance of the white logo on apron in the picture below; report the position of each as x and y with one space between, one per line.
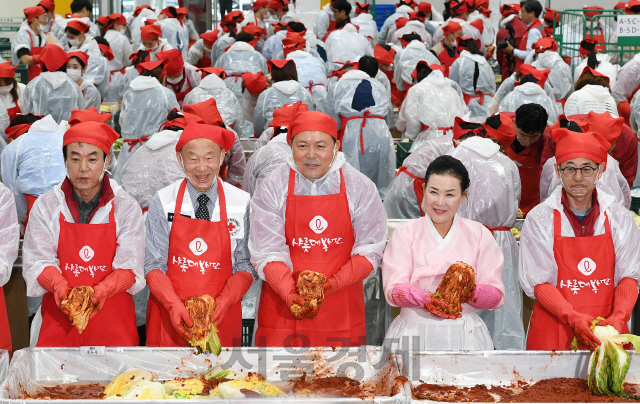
587 266
318 224
86 253
198 246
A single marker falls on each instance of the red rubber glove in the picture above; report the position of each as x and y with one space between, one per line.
118 281
36 59
236 286
355 270
551 299
280 279
53 282
161 288
624 299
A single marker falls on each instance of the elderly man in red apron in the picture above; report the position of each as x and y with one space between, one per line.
579 254
200 227
86 231
318 213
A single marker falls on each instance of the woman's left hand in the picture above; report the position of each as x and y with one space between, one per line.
435 305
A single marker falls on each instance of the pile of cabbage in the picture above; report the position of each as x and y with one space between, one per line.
140 384
610 362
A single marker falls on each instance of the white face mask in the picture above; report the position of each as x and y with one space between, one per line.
42 27
266 16
74 74
176 80
149 50
74 42
208 50
6 89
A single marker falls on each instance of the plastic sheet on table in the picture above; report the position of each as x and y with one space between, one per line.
33 368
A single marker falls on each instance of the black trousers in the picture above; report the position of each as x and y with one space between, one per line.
226 6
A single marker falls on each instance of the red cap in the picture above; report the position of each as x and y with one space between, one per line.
280 64
103 19
605 125
258 4
632 7
149 65
182 121
466 38
140 8
150 32
88 115
433 67
252 29
117 19
550 13
149 21
451 27
293 38
401 22
277 5
458 7
571 145
135 55
425 7
592 13
383 56
106 49
167 11
216 71
279 26
54 57
341 71
254 82
223 137
362 8
32 12
478 24
78 26
182 11
96 133
540 75
417 16
458 131
621 5
14 132
312 120
504 132
584 51
210 37
287 49
595 73
509 9
545 44
48 4
84 57
207 110
174 64
6 71
282 116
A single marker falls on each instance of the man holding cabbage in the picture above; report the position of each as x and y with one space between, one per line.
580 251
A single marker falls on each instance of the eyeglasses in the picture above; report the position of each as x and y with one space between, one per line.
586 172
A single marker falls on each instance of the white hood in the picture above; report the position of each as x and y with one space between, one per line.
86 82
281 138
46 124
363 16
327 9
415 23
600 93
90 44
350 28
56 79
240 46
507 20
161 139
484 147
288 86
212 82
476 58
404 9
530 89
435 78
355 75
415 44
548 59
147 14
144 83
298 54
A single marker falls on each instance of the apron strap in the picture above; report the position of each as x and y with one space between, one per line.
222 202
557 223
292 182
178 207
132 142
497 228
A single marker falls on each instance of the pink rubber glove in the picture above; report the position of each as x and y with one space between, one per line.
355 270
406 295
236 286
485 297
161 288
118 281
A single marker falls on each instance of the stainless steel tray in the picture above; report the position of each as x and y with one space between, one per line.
33 367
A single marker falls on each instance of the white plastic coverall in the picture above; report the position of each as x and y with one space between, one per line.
322 20
90 94
4 120
467 31
405 62
273 45
130 73
163 45
33 164
605 67
7 100
197 51
121 48
589 98
25 38
311 75
9 234
401 201
264 161
228 105
390 22
375 157
489 31
94 31
235 162
462 72
280 93
419 110
634 119
147 99
219 47
138 23
537 262
193 79
346 45
507 87
627 81
415 27
173 31
269 205
530 93
239 59
97 66
612 181
560 75
492 199
52 93
367 27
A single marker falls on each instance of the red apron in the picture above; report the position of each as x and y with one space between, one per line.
115 325
5 332
194 273
522 45
133 142
35 70
340 321
176 87
204 61
529 178
332 27
417 186
599 37
585 280
30 201
468 97
445 59
13 111
364 118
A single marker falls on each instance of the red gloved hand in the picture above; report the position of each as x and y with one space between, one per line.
162 289
581 326
355 270
280 279
36 59
118 281
53 282
624 300
236 286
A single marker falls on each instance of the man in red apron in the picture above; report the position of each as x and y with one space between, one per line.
529 15
315 213
181 77
10 233
445 49
86 231
27 45
530 121
579 251
200 227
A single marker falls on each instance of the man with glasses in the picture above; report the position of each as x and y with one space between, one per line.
526 151
579 254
